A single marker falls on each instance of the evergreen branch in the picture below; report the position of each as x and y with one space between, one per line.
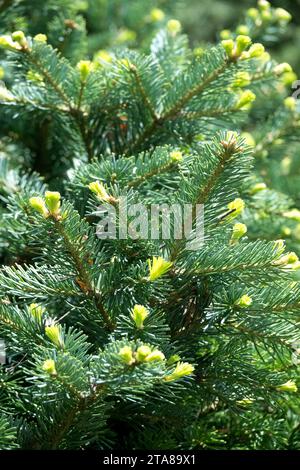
209 113
5 4
262 336
82 125
84 281
175 109
47 76
239 267
143 93
75 112
156 171
81 404
196 91
224 155
45 106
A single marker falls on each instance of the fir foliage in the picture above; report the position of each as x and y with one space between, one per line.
144 343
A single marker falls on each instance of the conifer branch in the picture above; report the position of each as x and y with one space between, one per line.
225 154
47 76
143 93
84 281
156 171
175 109
75 112
82 403
237 267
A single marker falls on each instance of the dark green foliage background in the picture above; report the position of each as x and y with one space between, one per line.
157 95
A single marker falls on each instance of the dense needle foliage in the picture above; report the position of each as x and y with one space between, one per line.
145 343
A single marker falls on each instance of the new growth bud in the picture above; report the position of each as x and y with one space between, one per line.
84 68
245 100
52 199
40 38
126 355
238 231
155 355
19 37
263 5
98 188
253 13
146 354
258 187
139 313
158 267
256 50
242 43
289 386
290 103
7 43
237 206
173 27
176 156
282 68
142 352
244 301
54 334
282 15
156 14
228 45
182 369
225 34
49 206
49 367
36 311
243 29
241 80
38 204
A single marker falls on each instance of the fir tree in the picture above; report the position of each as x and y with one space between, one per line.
145 343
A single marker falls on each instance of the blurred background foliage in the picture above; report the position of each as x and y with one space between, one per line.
204 19
111 23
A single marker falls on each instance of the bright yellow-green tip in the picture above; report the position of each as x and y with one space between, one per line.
38 204
36 311
290 103
238 231
237 206
158 267
244 301
289 386
182 369
176 156
49 367
40 38
84 68
156 14
126 355
52 199
139 313
246 98
54 334
173 27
